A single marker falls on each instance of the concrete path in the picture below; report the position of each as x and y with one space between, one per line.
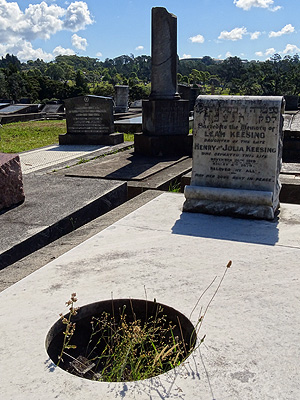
251 350
50 156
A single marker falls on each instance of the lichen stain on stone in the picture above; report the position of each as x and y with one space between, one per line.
243 376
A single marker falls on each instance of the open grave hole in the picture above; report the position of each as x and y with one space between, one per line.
121 340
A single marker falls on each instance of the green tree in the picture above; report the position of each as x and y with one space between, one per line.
3 86
104 89
139 91
55 72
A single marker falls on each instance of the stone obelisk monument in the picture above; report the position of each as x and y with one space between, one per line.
165 115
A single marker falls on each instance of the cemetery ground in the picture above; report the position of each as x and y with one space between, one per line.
251 347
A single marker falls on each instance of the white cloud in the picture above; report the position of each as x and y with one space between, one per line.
99 54
270 51
255 35
24 51
60 51
77 16
275 8
234 34
197 39
228 54
185 56
291 48
259 53
139 48
248 4
284 31
79 42
38 21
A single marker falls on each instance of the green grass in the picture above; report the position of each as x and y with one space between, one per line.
23 136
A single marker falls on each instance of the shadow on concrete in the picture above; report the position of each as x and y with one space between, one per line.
124 166
227 228
73 148
140 167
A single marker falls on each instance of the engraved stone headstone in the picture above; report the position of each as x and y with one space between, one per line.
90 120
165 116
11 184
236 156
121 98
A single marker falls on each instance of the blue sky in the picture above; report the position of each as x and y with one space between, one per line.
249 29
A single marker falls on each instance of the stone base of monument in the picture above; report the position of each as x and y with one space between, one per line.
111 139
120 109
167 145
165 117
165 129
11 183
231 202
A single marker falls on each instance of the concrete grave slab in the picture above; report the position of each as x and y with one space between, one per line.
124 166
54 206
251 350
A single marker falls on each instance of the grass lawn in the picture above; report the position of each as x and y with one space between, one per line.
24 136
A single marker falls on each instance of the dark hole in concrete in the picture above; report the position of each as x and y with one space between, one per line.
134 310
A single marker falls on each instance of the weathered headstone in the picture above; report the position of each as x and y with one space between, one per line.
236 156
165 115
121 98
188 93
90 120
11 184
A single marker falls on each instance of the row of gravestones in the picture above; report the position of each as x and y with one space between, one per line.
237 148
237 143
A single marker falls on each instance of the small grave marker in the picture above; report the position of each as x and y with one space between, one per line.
121 98
11 183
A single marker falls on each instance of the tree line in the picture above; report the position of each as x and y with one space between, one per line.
69 76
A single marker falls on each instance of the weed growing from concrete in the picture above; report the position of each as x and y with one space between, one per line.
128 349
136 350
70 326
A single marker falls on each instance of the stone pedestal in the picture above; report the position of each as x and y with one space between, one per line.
11 184
90 121
165 117
165 129
237 154
164 145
